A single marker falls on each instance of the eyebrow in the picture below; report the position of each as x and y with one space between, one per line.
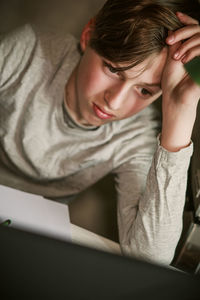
151 84
116 69
122 71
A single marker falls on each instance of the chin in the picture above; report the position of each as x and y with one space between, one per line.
96 123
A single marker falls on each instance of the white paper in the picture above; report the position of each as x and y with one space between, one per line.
34 213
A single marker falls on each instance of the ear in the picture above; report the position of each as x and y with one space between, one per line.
86 34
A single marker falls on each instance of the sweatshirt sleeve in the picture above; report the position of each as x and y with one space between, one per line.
150 222
16 48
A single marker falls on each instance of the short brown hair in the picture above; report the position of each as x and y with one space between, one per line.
128 31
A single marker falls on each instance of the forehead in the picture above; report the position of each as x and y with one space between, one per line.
151 68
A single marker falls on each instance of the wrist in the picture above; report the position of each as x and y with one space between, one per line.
177 129
171 144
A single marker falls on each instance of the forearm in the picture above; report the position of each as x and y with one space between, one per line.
155 231
180 93
177 127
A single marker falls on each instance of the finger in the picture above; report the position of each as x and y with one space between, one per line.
183 33
185 19
173 49
173 70
186 46
191 54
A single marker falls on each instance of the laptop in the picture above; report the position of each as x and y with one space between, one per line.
38 267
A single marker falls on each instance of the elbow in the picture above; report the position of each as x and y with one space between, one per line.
154 254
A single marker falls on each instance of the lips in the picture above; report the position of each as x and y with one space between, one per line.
100 113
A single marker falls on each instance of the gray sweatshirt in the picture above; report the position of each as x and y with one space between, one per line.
44 151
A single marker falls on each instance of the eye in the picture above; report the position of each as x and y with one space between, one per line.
111 69
144 92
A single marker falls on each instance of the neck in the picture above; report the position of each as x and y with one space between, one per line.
70 97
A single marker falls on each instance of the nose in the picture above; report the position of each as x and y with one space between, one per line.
115 95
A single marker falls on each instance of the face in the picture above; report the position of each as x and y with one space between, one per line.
98 95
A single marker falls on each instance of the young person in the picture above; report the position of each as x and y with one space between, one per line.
69 118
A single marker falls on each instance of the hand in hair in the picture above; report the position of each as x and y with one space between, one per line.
180 93
191 34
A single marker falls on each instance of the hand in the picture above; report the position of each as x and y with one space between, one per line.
180 93
191 33
182 52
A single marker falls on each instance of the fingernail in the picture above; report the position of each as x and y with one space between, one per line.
184 60
176 55
179 13
170 39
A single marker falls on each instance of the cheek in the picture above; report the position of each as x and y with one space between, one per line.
133 106
91 80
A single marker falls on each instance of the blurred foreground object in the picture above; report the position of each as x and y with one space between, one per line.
193 69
